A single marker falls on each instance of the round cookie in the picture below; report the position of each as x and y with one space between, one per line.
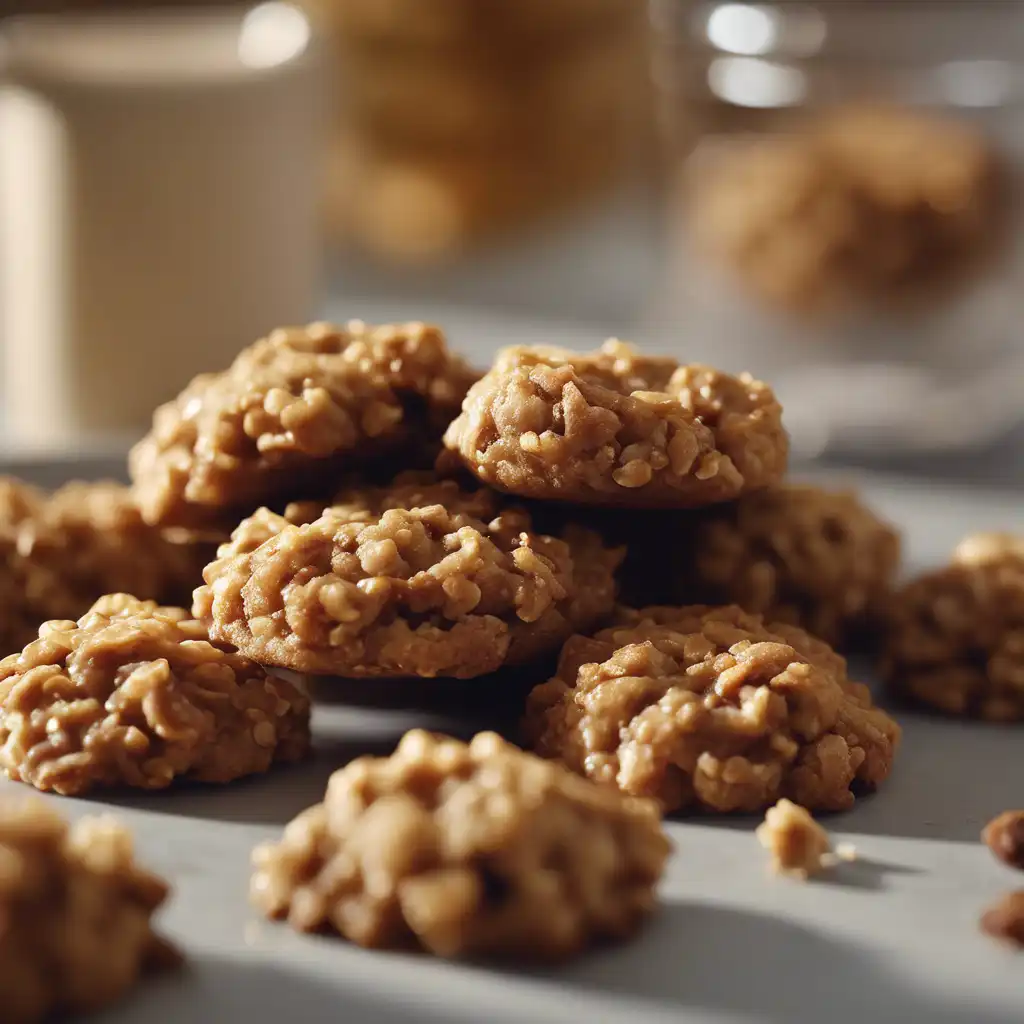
956 635
710 708
77 911
61 552
134 694
865 205
425 591
296 405
816 559
465 850
613 427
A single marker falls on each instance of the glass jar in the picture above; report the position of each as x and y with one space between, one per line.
844 211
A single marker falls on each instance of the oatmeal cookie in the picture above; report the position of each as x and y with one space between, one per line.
1004 836
93 536
77 914
956 635
465 850
25 587
60 552
135 694
297 404
710 707
428 591
614 427
868 204
816 559
798 845
410 489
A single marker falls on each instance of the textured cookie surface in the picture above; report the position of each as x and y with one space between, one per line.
956 636
76 911
465 850
384 591
135 695
614 427
710 707
296 404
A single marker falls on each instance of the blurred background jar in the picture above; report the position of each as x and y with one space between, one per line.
459 121
843 211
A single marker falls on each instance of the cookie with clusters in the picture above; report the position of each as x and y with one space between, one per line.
62 551
867 204
814 558
77 913
955 638
136 695
711 708
614 427
297 405
465 850
372 588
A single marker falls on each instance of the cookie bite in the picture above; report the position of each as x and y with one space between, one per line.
711 708
465 850
614 427
297 405
136 695
77 911
955 640
372 590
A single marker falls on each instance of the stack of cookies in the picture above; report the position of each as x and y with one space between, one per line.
459 119
606 539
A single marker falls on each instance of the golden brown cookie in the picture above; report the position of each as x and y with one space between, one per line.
77 914
956 635
297 405
867 204
136 695
390 592
614 427
61 552
813 558
465 850
711 708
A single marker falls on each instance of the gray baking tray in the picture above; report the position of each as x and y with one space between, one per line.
892 937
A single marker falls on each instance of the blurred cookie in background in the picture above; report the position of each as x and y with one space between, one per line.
458 121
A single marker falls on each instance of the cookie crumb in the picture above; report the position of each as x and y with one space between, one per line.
846 852
798 845
1004 920
1004 836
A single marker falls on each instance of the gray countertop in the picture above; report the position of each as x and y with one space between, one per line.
892 937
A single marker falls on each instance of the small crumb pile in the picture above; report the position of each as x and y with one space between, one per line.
798 845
